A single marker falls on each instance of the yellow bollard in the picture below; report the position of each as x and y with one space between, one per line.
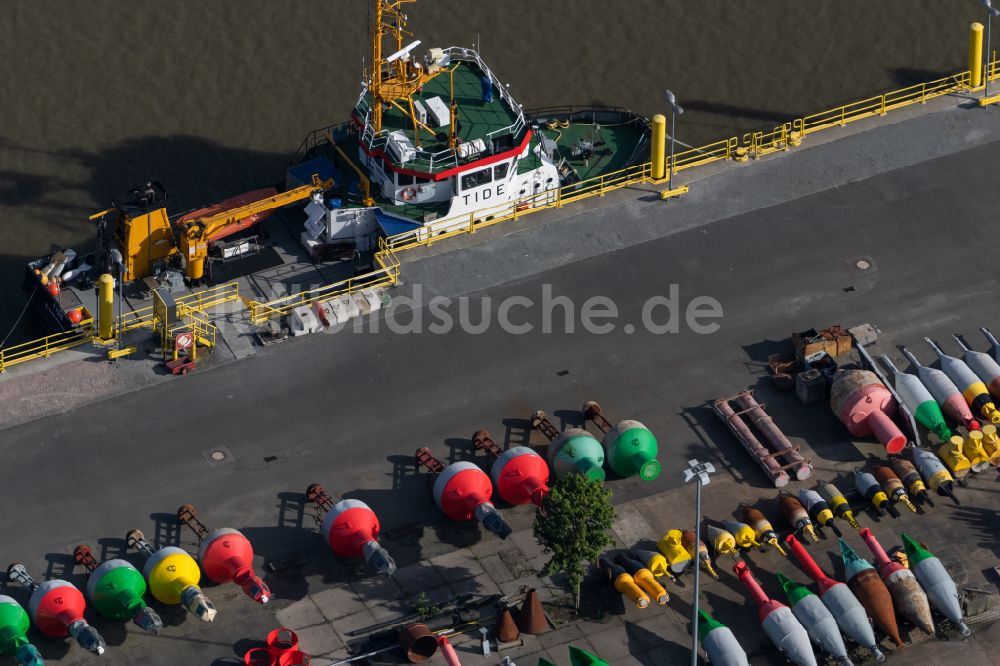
976 55
972 447
658 148
951 454
105 307
991 443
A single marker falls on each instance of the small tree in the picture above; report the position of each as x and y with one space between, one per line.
573 527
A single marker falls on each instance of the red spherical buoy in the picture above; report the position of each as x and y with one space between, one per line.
53 288
75 316
227 556
348 526
521 476
463 491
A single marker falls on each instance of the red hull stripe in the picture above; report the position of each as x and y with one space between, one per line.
444 175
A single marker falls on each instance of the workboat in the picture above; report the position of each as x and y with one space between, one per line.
435 142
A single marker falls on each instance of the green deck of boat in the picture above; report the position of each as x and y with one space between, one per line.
476 118
622 140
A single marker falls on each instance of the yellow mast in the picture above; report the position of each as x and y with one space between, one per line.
387 85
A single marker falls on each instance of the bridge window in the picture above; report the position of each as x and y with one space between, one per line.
477 178
500 171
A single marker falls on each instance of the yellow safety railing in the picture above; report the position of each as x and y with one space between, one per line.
386 274
750 145
199 300
43 347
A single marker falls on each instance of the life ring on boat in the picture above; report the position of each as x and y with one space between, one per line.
408 193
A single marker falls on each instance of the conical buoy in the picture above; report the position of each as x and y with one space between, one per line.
934 578
795 514
743 533
506 630
893 486
908 597
578 657
818 509
777 621
572 451
623 582
836 596
816 618
837 502
761 526
173 577
116 588
868 587
654 561
531 618
351 529
57 608
644 578
719 642
911 479
936 475
13 629
973 389
945 393
871 490
919 400
688 538
723 542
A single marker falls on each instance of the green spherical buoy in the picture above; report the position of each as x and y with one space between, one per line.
576 451
631 451
13 627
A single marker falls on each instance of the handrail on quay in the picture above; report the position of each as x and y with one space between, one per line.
750 145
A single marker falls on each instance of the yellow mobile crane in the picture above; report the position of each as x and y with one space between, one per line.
194 234
146 235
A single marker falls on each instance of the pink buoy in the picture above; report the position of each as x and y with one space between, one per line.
865 406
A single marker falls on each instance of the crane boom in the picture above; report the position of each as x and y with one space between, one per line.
193 235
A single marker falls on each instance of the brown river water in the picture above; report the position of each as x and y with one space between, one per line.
211 98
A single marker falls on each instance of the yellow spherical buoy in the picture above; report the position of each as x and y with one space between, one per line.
170 571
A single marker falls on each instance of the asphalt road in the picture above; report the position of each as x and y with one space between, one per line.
344 408
349 409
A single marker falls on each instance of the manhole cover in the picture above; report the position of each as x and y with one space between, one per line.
862 264
218 455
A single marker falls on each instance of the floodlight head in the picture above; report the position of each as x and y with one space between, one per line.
699 470
672 101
